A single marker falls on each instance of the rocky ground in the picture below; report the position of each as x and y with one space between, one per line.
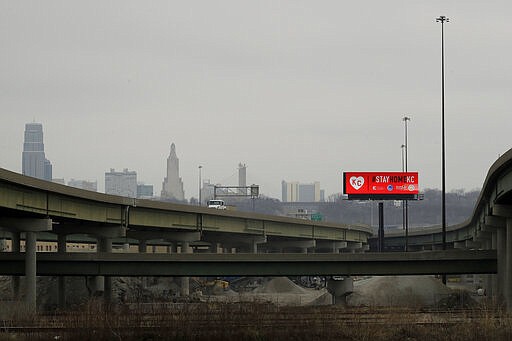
403 291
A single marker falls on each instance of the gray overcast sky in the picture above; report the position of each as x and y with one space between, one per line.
297 90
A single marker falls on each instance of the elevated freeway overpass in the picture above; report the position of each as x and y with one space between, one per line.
33 210
488 228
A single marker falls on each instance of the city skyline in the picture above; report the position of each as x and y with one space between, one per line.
125 183
34 161
297 90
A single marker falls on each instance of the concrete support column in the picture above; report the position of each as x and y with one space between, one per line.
303 250
501 252
185 281
16 247
143 247
30 270
508 269
105 245
488 278
3 242
254 247
215 248
61 248
494 277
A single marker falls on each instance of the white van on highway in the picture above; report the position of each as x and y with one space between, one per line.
217 204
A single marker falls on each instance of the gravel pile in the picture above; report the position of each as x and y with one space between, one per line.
280 285
402 291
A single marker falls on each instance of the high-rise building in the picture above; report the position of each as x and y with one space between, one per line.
121 183
144 191
297 192
242 175
34 162
290 191
84 184
172 186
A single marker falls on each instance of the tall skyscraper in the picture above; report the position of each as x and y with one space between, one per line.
172 186
121 183
34 162
242 175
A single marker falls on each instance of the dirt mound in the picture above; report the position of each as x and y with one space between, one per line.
405 291
280 285
323 299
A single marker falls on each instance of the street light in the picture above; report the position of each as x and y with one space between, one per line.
442 19
406 203
200 167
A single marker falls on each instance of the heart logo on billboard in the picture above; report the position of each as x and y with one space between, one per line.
356 182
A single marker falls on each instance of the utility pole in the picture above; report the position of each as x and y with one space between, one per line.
442 19
406 202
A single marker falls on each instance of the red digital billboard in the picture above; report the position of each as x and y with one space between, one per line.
381 184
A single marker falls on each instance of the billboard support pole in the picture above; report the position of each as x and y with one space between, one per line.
381 227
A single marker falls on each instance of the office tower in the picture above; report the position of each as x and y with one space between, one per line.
297 192
34 162
242 175
121 183
290 191
144 191
172 186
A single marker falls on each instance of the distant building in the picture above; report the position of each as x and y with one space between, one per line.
297 192
242 175
121 183
207 191
144 191
34 162
172 186
84 184
290 191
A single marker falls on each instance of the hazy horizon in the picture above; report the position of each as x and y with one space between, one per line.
296 90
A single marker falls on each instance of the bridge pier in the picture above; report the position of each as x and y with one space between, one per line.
105 245
494 278
30 270
30 226
61 249
104 236
488 278
353 247
301 246
16 247
508 270
185 280
330 246
501 254
501 221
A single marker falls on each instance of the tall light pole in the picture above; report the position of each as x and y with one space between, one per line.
403 201
442 19
406 203
200 167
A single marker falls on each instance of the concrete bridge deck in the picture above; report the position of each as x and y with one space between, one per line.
263 264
